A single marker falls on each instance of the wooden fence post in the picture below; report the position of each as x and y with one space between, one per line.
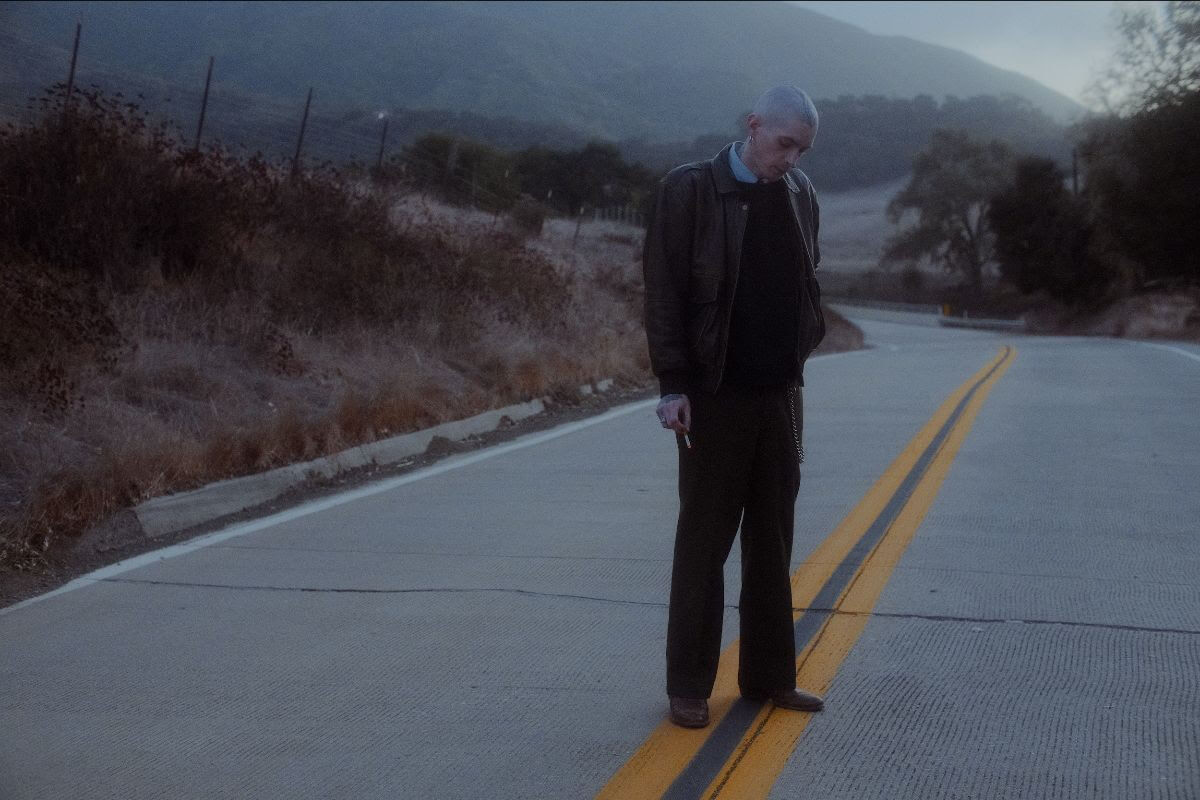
578 225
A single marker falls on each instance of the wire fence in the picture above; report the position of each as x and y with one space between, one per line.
308 133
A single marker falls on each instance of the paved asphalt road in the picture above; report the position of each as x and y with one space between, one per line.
494 627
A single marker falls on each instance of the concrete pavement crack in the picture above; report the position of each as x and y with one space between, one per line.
997 620
497 556
415 590
1051 575
616 601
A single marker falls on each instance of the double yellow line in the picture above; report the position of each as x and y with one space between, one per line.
746 745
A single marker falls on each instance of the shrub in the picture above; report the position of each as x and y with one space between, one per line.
51 323
102 191
912 282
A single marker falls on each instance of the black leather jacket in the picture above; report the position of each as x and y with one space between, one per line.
690 263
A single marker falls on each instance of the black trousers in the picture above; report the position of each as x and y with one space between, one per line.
743 469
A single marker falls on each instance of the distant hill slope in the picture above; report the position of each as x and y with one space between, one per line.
659 71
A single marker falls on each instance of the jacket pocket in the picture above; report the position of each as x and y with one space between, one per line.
812 318
704 292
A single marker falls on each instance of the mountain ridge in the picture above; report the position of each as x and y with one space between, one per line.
661 71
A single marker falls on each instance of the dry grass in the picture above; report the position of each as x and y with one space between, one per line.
169 317
113 397
232 320
1161 314
854 227
840 334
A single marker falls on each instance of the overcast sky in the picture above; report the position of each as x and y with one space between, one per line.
1060 44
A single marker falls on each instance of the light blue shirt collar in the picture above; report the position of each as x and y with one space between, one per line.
740 170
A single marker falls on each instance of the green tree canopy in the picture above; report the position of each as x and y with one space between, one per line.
1043 237
593 176
1143 166
952 184
1142 175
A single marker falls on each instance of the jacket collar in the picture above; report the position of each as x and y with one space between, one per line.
724 177
723 173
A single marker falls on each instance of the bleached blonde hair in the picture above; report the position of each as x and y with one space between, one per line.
783 104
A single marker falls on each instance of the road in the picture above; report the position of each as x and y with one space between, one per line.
997 587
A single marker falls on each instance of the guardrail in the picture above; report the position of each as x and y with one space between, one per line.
885 305
943 313
979 323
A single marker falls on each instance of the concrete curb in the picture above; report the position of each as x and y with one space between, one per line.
175 512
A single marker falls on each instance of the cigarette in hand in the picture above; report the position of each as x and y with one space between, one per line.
687 441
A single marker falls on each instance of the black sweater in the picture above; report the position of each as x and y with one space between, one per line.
765 323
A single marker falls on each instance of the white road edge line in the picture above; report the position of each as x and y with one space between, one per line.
1173 349
346 497
330 502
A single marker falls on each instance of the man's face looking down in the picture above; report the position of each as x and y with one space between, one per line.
774 147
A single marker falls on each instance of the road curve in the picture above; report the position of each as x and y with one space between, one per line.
1026 624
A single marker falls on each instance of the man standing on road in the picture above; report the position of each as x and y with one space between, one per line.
732 312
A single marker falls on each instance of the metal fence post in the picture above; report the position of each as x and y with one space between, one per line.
204 104
71 74
382 142
300 139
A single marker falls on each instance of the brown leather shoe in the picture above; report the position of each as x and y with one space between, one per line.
791 699
689 712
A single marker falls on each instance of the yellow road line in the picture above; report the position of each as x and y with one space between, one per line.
665 753
752 769
810 576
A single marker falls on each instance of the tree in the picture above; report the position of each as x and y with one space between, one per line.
1043 235
1142 175
462 171
1142 164
1157 64
952 184
594 176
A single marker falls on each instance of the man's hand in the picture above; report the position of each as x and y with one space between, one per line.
675 412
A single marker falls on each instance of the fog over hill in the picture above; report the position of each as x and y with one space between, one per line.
658 71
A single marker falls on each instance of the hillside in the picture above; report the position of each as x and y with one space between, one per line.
662 72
